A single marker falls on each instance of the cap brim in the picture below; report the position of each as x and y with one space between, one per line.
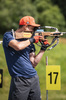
35 25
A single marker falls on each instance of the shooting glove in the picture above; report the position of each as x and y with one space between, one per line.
34 39
44 44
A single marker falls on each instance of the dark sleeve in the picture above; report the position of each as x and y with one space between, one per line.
7 38
32 49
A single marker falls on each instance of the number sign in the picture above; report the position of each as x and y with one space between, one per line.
53 77
1 78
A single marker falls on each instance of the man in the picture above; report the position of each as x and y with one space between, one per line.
21 61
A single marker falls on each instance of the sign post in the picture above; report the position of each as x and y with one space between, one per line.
53 77
46 90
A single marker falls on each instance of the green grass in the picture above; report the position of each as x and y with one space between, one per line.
56 56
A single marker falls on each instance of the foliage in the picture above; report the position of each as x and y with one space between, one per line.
50 15
12 11
62 5
45 12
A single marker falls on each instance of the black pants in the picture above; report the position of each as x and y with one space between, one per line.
24 89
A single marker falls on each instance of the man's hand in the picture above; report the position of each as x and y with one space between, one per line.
44 44
34 39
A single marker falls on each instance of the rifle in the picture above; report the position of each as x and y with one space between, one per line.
40 32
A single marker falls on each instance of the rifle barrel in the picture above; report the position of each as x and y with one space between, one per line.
63 33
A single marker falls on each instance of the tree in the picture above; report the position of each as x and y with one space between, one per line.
45 12
50 14
11 12
62 5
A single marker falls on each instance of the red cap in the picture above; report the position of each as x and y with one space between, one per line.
28 20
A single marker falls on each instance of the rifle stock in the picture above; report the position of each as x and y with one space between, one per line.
20 35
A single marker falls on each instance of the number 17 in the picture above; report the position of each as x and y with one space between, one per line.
50 74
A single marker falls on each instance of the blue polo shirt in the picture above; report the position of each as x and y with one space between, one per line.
18 62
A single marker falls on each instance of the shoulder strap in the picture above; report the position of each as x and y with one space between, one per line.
13 33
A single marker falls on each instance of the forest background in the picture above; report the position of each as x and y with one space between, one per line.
45 12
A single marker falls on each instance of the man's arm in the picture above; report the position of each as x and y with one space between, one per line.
35 59
19 45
